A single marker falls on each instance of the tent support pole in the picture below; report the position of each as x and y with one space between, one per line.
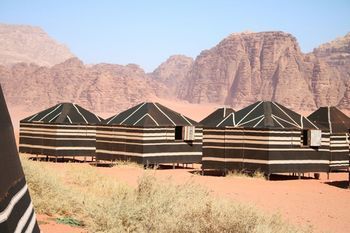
327 175
268 176
299 175
173 165
203 171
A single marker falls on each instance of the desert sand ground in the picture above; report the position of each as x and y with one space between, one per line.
323 204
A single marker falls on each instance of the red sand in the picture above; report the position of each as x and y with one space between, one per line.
301 202
48 225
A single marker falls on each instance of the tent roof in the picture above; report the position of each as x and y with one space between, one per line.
217 116
150 115
65 113
331 118
266 114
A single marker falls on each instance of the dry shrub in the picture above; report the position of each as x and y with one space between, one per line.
103 204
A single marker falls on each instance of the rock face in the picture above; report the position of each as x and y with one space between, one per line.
173 71
246 67
101 88
242 69
19 43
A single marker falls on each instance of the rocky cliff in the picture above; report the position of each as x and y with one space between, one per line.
22 43
101 88
246 67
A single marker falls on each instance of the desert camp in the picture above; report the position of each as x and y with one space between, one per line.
65 129
149 133
265 136
16 208
174 116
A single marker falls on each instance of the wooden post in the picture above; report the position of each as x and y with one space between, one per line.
173 165
327 175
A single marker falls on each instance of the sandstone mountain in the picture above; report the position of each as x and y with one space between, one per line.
21 43
173 71
246 67
241 69
101 88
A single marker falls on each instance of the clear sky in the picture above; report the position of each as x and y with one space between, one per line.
148 32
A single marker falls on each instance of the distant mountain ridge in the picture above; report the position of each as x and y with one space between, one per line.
242 69
24 43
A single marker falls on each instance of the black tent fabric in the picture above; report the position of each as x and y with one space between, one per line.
16 209
216 117
65 129
264 136
148 115
149 133
266 115
334 121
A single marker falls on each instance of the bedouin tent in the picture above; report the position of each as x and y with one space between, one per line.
337 124
65 129
213 119
150 133
16 208
265 136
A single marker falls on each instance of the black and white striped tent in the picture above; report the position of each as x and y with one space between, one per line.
217 116
150 133
337 124
265 136
16 208
65 129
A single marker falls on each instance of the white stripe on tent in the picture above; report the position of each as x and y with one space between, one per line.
310 122
263 149
58 139
50 112
251 120
81 114
55 117
309 161
33 117
69 119
144 117
259 122
97 118
250 112
149 144
223 120
57 148
277 121
329 119
31 224
149 154
164 114
185 119
291 123
7 212
127 116
24 219
286 114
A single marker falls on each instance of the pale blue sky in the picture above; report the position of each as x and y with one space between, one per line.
148 32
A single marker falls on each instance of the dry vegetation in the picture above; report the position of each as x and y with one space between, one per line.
103 204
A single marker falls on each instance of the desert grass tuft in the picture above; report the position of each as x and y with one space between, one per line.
102 204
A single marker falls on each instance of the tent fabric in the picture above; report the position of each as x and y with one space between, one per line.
266 114
64 113
148 115
16 209
331 118
264 136
217 116
334 121
65 129
146 134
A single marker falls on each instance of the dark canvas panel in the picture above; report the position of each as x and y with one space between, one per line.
12 181
213 119
146 114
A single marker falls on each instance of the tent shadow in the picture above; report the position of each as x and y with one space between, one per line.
169 167
58 160
343 184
